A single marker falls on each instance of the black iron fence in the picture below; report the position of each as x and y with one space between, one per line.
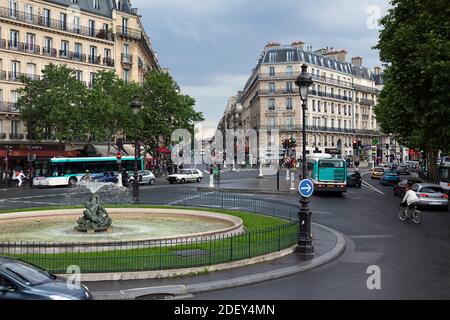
149 255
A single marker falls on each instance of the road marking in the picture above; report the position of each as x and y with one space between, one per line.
188 198
372 188
323 212
32 197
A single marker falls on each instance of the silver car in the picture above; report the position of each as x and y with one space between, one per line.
431 195
145 177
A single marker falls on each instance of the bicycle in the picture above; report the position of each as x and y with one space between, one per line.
403 214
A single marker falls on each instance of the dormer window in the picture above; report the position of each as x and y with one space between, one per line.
96 4
290 56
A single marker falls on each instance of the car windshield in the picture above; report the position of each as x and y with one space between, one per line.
28 274
432 190
391 174
378 170
184 172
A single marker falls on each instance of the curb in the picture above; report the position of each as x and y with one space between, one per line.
182 290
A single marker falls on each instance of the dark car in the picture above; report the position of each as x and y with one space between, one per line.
107 177
354 179
20 280
400 188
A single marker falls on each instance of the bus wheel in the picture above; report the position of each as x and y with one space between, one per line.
73 181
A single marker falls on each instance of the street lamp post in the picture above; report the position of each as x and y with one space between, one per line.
136 107
304 247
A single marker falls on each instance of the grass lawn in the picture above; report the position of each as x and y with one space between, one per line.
264 235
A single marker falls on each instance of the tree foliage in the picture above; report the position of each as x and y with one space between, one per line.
415 102
54 104
62 105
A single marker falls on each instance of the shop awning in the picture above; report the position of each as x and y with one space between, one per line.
39 154
164 150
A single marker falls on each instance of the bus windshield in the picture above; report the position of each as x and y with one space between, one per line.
331 164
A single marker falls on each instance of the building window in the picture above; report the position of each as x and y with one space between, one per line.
289 71
14 39
96 4
271 87
271 122
92 77
15 127
92 28
272 57
272 71
290 56
318 106
29 13
325 109
46 16
289 122
126 76
64 49
289 105
15 71
289 87
63 21
12 9
271 104
314 105
79 75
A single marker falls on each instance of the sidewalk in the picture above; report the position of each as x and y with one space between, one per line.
328 244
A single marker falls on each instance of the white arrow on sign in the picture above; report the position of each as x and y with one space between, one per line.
307 188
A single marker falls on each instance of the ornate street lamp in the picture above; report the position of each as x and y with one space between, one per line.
136 107
304 247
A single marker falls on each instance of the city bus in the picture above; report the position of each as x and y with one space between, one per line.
327 173
69 171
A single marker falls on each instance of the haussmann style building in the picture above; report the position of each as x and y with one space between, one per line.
86 35
340 118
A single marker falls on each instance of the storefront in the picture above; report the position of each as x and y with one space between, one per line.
19 156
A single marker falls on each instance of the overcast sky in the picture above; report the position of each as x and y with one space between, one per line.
211 46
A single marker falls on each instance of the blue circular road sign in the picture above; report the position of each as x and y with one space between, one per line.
306 188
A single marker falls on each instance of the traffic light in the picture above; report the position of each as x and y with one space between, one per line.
355 144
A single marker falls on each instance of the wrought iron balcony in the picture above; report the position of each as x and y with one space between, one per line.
365 102
34 19
95 59
16 136
127 59
2 136
129 33
8 107
108 62
24 47
2 75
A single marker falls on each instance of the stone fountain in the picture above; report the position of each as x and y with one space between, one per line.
95 217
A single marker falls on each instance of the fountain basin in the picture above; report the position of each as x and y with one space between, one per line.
53 231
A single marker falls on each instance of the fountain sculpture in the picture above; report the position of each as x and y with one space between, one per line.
95 217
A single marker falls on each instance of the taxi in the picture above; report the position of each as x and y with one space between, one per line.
377 173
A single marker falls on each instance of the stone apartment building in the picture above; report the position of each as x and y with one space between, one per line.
86 35
340 105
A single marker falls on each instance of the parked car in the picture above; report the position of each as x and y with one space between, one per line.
431 195
403 170
400 188
185 176
23 281
145 177
377 173
106 177
354 179
390 178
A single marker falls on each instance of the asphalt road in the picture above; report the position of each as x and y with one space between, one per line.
414 259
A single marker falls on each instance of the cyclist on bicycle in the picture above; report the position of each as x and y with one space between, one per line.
410 199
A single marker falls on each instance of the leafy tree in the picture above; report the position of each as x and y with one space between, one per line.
109 106
164 110
55 104
414 105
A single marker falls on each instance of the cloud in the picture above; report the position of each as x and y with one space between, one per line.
211 46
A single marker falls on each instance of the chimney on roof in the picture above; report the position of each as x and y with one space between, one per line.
340 55
272 44
357 61
298 44
377 70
